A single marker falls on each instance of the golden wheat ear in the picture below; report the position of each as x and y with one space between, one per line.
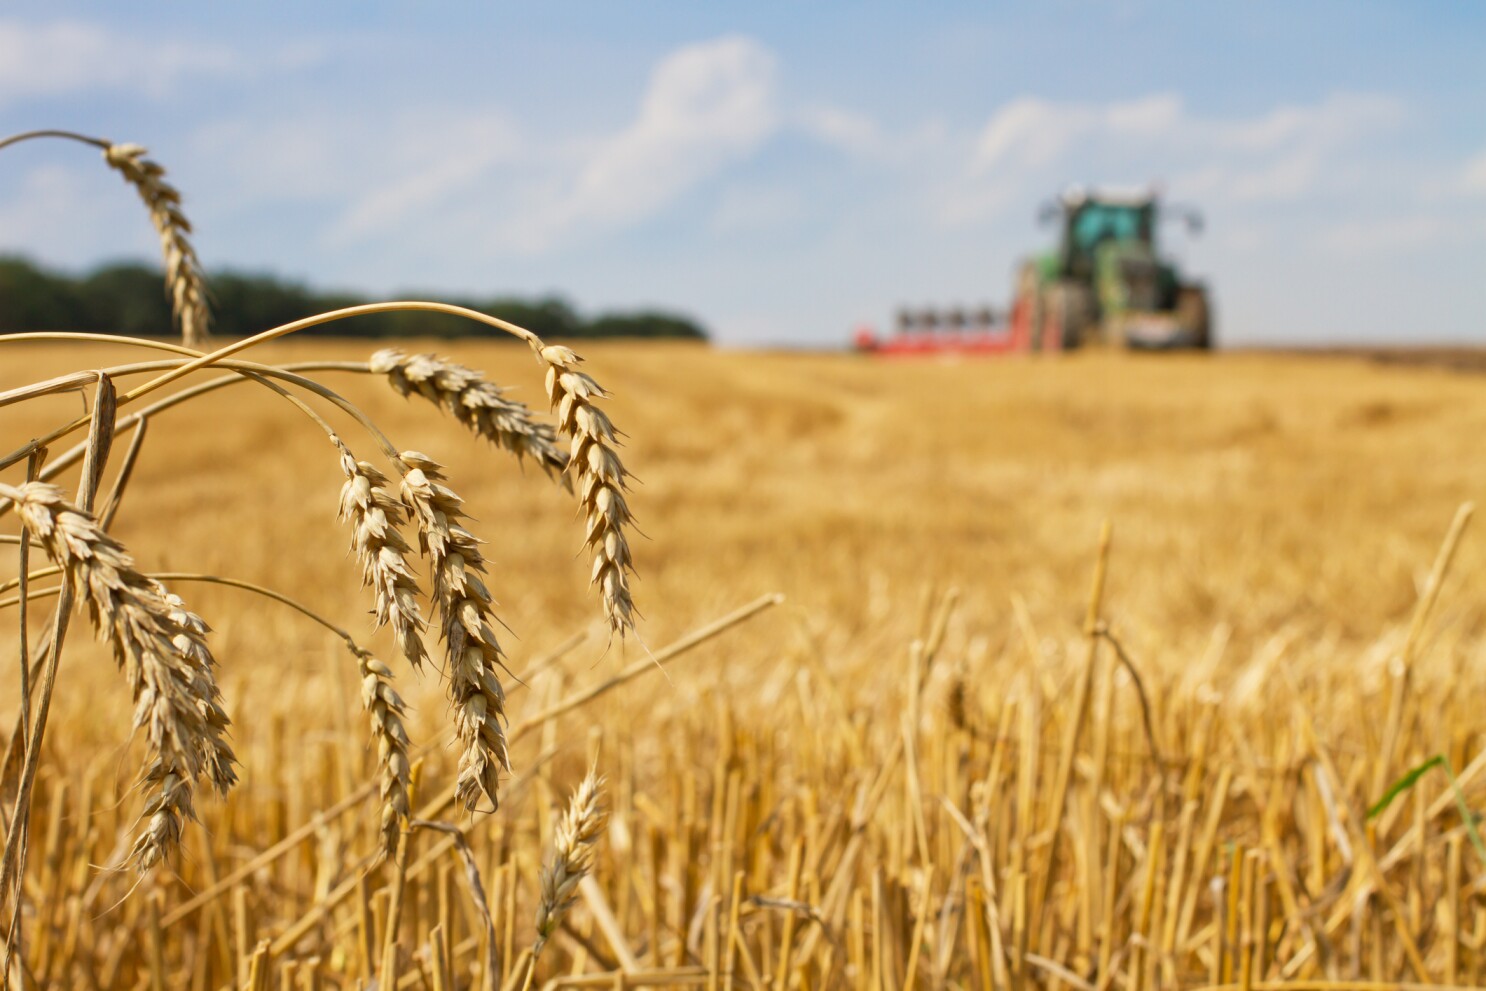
601 478
475 658
476 402
386 710
375 515
162 649
184 280
572 856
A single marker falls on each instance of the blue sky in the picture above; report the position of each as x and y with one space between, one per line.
781 171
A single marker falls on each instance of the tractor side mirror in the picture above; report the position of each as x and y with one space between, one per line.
1192 219
1048 212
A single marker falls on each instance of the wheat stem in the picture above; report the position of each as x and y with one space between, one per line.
228 350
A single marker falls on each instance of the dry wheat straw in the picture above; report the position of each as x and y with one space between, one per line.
162 649
375 515
183 277
386 709
572 856
475 656
600 477
474 401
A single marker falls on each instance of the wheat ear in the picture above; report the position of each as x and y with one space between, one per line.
474 401
183 277
572 856
386 709
162 649
594 464
375 515
475 656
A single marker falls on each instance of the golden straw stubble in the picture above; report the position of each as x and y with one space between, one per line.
465 606
162 650
594 463
184 280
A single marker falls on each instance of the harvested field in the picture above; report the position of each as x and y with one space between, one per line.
940 761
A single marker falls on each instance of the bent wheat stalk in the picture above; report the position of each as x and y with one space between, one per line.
184 281
183 276
162 649
226 351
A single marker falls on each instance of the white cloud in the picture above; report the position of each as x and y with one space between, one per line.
707 105
1385 235
852 132
474 176
63 57
1335 120
1473 176
1029 132
375 171
1281 155
1151 116
465 154
67 214
746 209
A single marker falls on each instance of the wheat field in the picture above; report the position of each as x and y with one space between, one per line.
1074 674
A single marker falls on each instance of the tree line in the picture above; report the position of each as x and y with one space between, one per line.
129 298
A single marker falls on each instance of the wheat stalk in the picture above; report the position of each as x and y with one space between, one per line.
375 515
386 709
465 605
572 856
162 649
183 276
594 463
474 401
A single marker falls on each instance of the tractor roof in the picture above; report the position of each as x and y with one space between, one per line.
1075 196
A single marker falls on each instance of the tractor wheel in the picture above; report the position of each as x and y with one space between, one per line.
1194 317
1069 316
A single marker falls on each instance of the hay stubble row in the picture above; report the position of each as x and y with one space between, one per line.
847 790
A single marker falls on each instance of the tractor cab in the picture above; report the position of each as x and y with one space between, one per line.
1091 222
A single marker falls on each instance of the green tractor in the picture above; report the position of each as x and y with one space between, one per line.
1106 284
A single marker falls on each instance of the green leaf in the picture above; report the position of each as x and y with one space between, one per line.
1404 783
1410 779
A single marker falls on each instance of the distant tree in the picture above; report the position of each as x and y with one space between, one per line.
31 299
129 298
125 298
644 323
548 317
243 304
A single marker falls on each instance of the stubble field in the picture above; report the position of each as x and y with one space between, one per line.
935 762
